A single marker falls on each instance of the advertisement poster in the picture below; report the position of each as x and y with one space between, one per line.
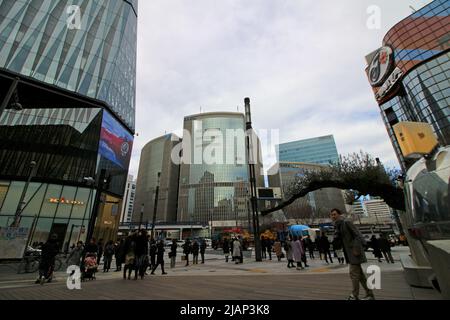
115 141
13 242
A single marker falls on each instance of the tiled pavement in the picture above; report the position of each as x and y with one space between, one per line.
218 280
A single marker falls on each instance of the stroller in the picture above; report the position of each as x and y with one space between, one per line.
90 266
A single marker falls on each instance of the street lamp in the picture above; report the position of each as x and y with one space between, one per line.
155 205
19 209
252 176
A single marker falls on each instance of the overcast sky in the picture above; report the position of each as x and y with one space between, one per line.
301 62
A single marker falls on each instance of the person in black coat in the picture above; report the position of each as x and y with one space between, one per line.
119 254
141 252
324 244
159 257
173 253
226 248
187 250
202 250
376 248
47 263
385 248
195 249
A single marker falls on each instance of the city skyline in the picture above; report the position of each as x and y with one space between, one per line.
208 57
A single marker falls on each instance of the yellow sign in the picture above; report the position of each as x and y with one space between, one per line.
65 201
415 138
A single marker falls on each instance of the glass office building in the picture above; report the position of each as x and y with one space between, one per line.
76 120
214 179
410 73
320 150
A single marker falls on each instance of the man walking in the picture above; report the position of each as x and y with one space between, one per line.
203 249
385 248
173 253
353 242
159 257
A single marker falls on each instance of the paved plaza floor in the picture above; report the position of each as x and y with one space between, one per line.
218 280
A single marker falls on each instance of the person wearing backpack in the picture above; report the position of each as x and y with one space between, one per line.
353 243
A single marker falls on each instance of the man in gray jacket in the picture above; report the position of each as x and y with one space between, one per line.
353 243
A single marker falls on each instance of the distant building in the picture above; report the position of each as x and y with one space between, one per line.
320 150
128 200
317 204
373 211
156 159
215 189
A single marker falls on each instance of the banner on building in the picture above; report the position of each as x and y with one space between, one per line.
13 242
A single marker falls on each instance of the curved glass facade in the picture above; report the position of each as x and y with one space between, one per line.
85 46
421 51
214 170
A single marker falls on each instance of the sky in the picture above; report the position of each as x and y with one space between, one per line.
301 62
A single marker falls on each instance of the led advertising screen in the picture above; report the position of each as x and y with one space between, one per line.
115 141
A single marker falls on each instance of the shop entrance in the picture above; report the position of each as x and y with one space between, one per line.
60 229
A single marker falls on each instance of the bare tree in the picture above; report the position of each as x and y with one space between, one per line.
358 172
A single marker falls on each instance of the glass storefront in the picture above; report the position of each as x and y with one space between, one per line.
56 209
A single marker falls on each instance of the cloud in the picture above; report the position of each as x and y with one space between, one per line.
301 63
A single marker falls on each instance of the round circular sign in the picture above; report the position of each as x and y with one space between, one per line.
124 148
380 65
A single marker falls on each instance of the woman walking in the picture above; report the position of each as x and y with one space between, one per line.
289 253
277 249
297 251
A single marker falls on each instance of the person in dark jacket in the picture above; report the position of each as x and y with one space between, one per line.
173 253
195 249
309 244
91 247
353 243
108 254
159 257
269 247
141 253
187 250
226 248
119 254
263 248
324 244
203 249
385 248
376 248
47 263
153 250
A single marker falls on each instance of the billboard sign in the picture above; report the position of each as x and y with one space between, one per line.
115 141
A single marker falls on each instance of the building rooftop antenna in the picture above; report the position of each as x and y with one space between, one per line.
412 8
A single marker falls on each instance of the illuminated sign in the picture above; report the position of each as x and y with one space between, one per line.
380 66
389 83
65 201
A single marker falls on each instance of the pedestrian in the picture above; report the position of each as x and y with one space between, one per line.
263 247
187 250
203 249
141 252
338 250
195 250
297 252
153 250
173 253
304 259
309 244
100 251
376 247
91 247
385 248
277 249
74 258
269 247
159 257
119 254
130 257
109 252
47 262
353 244
226 248
289 252
236 251
324 244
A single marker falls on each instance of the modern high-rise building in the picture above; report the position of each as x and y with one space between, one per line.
320 150
214 179
372 211
128 200
315 205
410 73
159 164
67 79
